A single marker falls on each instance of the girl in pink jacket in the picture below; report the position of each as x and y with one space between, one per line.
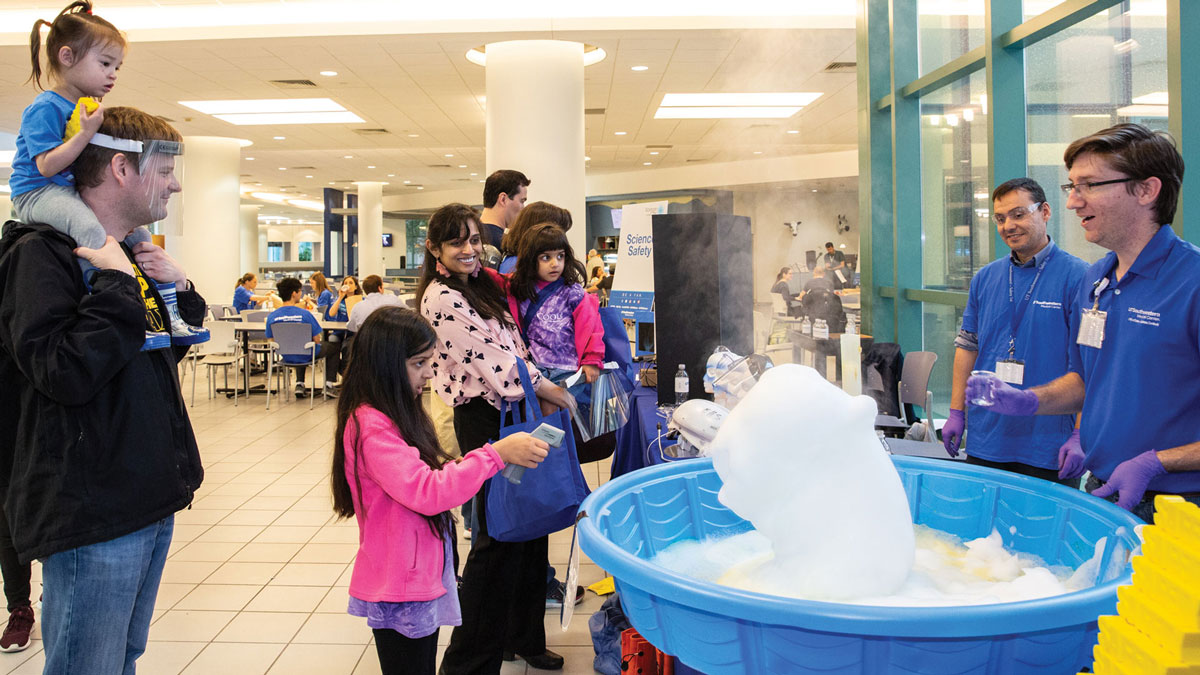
391 474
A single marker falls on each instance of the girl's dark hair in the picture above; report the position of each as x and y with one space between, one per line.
451 223
782 272
357 286
377 375
533 214
75 27
248 276
539 239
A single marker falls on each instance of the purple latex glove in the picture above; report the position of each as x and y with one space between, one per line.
952 431
1008 399
1130 478
1070 458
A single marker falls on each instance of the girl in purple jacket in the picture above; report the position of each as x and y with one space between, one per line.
391 474
559 320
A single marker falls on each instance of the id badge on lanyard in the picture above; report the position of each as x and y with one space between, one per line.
1091 327
1011 371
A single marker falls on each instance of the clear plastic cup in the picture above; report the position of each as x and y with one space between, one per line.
985 396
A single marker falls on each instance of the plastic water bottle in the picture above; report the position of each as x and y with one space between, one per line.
806 327
820 329
681 385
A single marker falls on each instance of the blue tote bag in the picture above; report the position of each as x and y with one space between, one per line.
548 496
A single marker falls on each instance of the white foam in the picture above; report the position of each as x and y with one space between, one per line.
946 571
800 460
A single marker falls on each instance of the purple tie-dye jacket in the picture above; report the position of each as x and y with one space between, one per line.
566 332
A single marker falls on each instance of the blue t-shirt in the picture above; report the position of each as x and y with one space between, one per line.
241 299
293 314
1141 387
42 127
1042 341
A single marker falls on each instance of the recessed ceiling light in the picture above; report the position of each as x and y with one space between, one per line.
281 138
407 182
329 73
760 99
414 135
646 163
586 158
331 182
258 183
654 152
591 55
249 159
391 175
462 166
793 131
619 133
347 156
370 166
308 176
814 190
283 168
725 112
474 174
447 155
276 111
420 187
640 68
758 152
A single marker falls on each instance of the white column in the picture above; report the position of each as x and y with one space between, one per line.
205 238
535 122
370 229
6 213
248 231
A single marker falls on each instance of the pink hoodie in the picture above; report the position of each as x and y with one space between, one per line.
400 559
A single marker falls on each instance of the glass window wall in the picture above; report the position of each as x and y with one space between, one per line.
948 29
955 204
1107 69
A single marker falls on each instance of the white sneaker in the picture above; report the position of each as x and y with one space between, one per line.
330 390
301 392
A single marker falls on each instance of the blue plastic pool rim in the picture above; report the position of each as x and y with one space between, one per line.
971 621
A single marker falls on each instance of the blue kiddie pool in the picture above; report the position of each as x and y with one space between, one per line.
720 630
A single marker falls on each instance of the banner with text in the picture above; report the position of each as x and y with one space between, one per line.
633 285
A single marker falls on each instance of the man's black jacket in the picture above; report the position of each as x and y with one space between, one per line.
95 442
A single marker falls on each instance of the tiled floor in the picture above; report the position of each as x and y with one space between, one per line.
258 571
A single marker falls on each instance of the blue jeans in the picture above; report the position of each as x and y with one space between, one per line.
99 600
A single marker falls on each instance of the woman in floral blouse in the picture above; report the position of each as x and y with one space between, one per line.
504 583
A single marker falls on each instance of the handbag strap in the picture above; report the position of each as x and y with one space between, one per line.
532 411
536 304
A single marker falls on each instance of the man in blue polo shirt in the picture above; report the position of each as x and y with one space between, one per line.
290 290
1135 362
1017 323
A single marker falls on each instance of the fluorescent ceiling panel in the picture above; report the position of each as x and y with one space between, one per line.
1153 98
249 119
308 204
1143 111
265 105
730 112
270 197
771 99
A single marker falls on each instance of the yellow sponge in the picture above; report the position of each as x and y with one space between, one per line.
73 123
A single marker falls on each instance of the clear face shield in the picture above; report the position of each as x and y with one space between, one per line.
159 170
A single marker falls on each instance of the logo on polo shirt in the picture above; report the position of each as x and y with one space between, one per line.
1144 317
1047 304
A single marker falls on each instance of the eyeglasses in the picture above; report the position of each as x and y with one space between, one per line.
1085 189
1018 214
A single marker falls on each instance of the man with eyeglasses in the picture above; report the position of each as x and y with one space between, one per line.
1018 323
1135 359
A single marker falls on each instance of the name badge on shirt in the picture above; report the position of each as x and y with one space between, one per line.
1011 371
1091 329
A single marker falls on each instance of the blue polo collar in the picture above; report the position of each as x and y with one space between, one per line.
1150 260
1037 257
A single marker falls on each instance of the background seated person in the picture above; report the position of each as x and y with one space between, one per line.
818 282
244 297
783 288
821 303
291 312
375 298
